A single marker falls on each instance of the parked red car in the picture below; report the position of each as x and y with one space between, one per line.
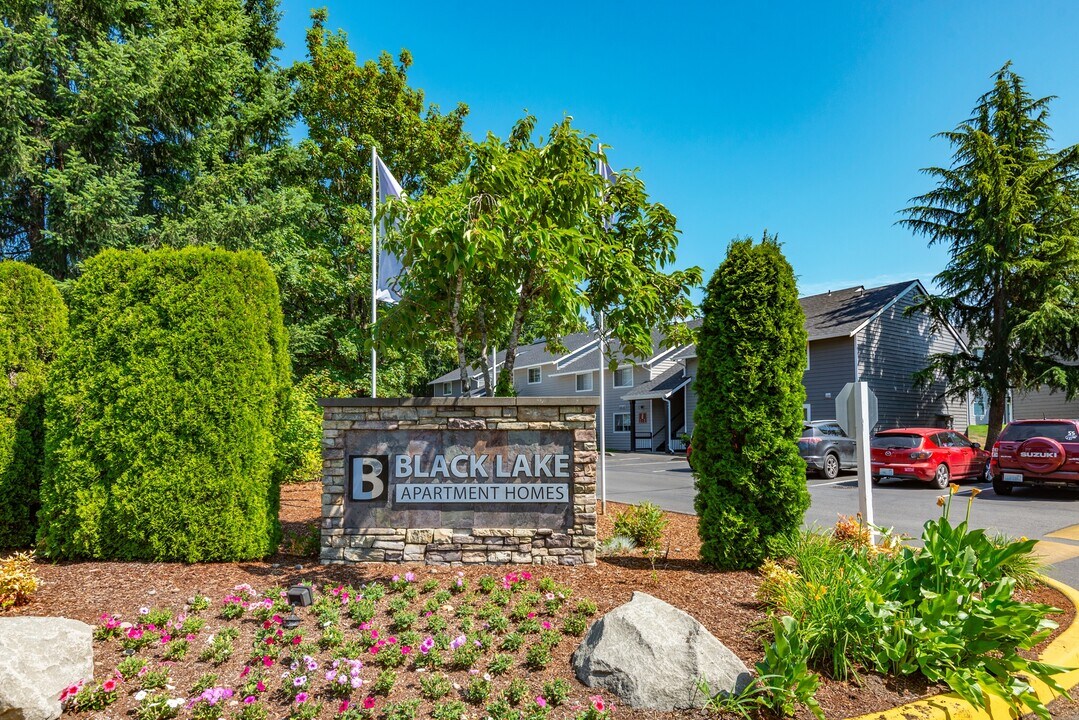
1036 452
931 455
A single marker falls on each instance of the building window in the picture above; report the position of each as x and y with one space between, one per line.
584 382
534 376
807 412
807 356
623 377
447 388
622 422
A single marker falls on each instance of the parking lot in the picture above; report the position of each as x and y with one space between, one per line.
1048 515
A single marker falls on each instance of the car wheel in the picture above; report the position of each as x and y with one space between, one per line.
1002 488
941 477
987 476
831 466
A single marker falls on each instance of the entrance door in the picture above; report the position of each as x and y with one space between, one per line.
642 431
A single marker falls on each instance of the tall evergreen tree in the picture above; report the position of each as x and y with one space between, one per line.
137 124
750 479
1008 211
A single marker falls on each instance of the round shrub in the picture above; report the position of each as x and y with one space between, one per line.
165 412
751 489
33 324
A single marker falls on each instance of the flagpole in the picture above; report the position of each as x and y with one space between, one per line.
374 272
601 424
601 420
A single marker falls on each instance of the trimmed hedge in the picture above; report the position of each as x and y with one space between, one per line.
33 323
751 488
165 412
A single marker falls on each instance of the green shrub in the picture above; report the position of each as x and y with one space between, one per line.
751 489
945 611
33 325
166 410
644 523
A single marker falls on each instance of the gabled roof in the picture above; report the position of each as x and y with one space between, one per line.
538 354
843 313
589 361
661 386
474 371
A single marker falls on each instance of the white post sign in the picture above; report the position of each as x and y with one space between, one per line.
856 412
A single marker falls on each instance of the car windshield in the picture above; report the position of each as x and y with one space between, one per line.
1018 432
899 442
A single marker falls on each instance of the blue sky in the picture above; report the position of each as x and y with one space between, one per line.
809 121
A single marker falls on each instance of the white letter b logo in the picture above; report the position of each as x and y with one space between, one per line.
368 476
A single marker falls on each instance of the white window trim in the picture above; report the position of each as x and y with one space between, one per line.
808 411
614 423
808 364
577 383
447 388
614 378
539 373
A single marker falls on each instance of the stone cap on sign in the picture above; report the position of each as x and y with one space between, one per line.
590 401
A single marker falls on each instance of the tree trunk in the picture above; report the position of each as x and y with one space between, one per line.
998 401
999 357
505 383
485 365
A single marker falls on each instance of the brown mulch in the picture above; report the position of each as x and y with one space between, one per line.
722 601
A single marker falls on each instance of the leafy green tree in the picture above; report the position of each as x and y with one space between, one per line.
347 107
751 490
1008 211
133 124
531 240
165 412
33 326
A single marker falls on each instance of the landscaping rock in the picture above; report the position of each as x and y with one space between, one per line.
653 655
41 657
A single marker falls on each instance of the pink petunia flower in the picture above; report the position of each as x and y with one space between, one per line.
301 698
541 701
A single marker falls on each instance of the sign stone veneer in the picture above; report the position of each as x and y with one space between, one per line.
468 534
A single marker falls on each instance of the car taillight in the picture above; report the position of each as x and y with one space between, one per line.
995 452
810 440
921 455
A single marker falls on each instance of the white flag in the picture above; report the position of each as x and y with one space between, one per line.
389 265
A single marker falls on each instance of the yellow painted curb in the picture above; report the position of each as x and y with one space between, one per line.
1063 651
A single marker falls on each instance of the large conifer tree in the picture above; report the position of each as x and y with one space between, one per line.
1008 211
751 488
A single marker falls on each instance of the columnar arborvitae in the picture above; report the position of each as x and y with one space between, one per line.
751 488
33 324
165 410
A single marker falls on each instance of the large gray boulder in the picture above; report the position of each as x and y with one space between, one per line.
39 657
653 655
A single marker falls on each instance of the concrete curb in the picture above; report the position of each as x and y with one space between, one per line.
1063 651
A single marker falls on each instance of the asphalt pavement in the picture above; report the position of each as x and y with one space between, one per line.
1050 516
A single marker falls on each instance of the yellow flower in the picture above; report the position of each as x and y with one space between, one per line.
975 492
954 488
940 500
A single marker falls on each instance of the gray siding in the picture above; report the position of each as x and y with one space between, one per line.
1043 404
566 386
831 366
548 386
691 394
890 350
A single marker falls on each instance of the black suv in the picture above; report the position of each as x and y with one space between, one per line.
826 448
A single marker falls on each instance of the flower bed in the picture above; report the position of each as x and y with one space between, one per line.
726 603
